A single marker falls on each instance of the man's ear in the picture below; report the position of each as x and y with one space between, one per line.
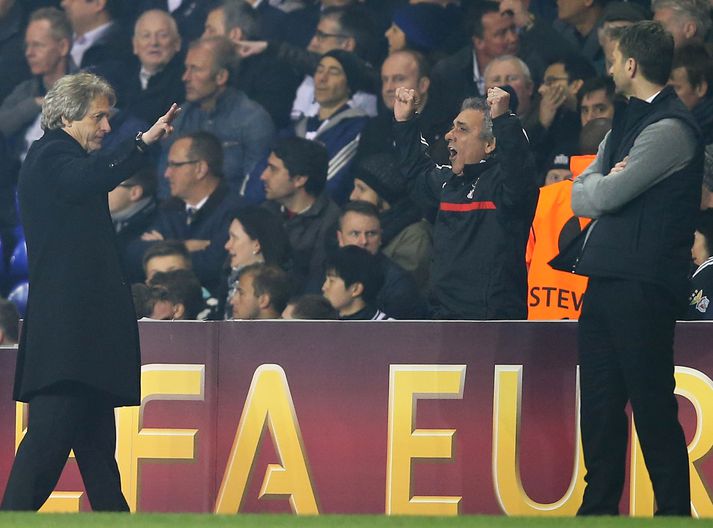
356 290
235 35
490 146
179 311
575 85
221 78
136 192
349 44
701 89
263 301
689 29
299 181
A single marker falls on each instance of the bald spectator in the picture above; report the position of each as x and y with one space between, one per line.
512 71
243 127
9 323
48 39
410 69
188 14
687 20
155 82
266 78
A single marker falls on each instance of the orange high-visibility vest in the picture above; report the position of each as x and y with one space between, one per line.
553 294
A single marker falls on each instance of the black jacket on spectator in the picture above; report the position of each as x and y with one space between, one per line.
211 222
649 238
703 112
80 324
109 55
271 82
190 15
128 239
309 233
562 137
12 50
483 222
163 89
399 296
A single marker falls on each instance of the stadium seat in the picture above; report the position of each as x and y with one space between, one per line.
18 296
18 262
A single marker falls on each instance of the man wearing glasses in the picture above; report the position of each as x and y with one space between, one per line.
201 207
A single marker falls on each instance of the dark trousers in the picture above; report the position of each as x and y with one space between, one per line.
67 418
626 353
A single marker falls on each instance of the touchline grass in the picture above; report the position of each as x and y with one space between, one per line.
148 520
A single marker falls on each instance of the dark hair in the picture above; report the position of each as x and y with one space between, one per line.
694 58
704 225
269 280
179 287
577 67
651 46
240 14
206 147
353 264
304 157
477 13
312 306
9 319
356 22
594 84
143 299
359 207
145 178
166 248
268 229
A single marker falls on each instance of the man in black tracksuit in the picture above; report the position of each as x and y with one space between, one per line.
643 191
485 201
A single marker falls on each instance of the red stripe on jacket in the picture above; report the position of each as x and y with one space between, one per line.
461 208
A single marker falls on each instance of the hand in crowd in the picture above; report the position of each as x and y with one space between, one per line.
499 101
619 166
196 245
162 127
553 96
151 236
405 104
248 48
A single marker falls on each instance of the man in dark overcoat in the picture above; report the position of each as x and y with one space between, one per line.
79 350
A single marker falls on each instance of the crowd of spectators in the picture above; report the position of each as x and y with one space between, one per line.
300 183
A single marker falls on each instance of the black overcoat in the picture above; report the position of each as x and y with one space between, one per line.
80 324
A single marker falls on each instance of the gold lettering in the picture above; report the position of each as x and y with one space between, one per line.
408 384
269 401
513 499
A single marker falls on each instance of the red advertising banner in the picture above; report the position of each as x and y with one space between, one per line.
394 417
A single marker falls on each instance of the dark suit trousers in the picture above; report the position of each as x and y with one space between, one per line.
65 419
626 354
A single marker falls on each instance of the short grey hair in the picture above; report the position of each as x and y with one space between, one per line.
240 14
70 98
60 27
481 105
510 58
697 11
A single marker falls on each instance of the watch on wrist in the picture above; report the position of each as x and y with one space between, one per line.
143 147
